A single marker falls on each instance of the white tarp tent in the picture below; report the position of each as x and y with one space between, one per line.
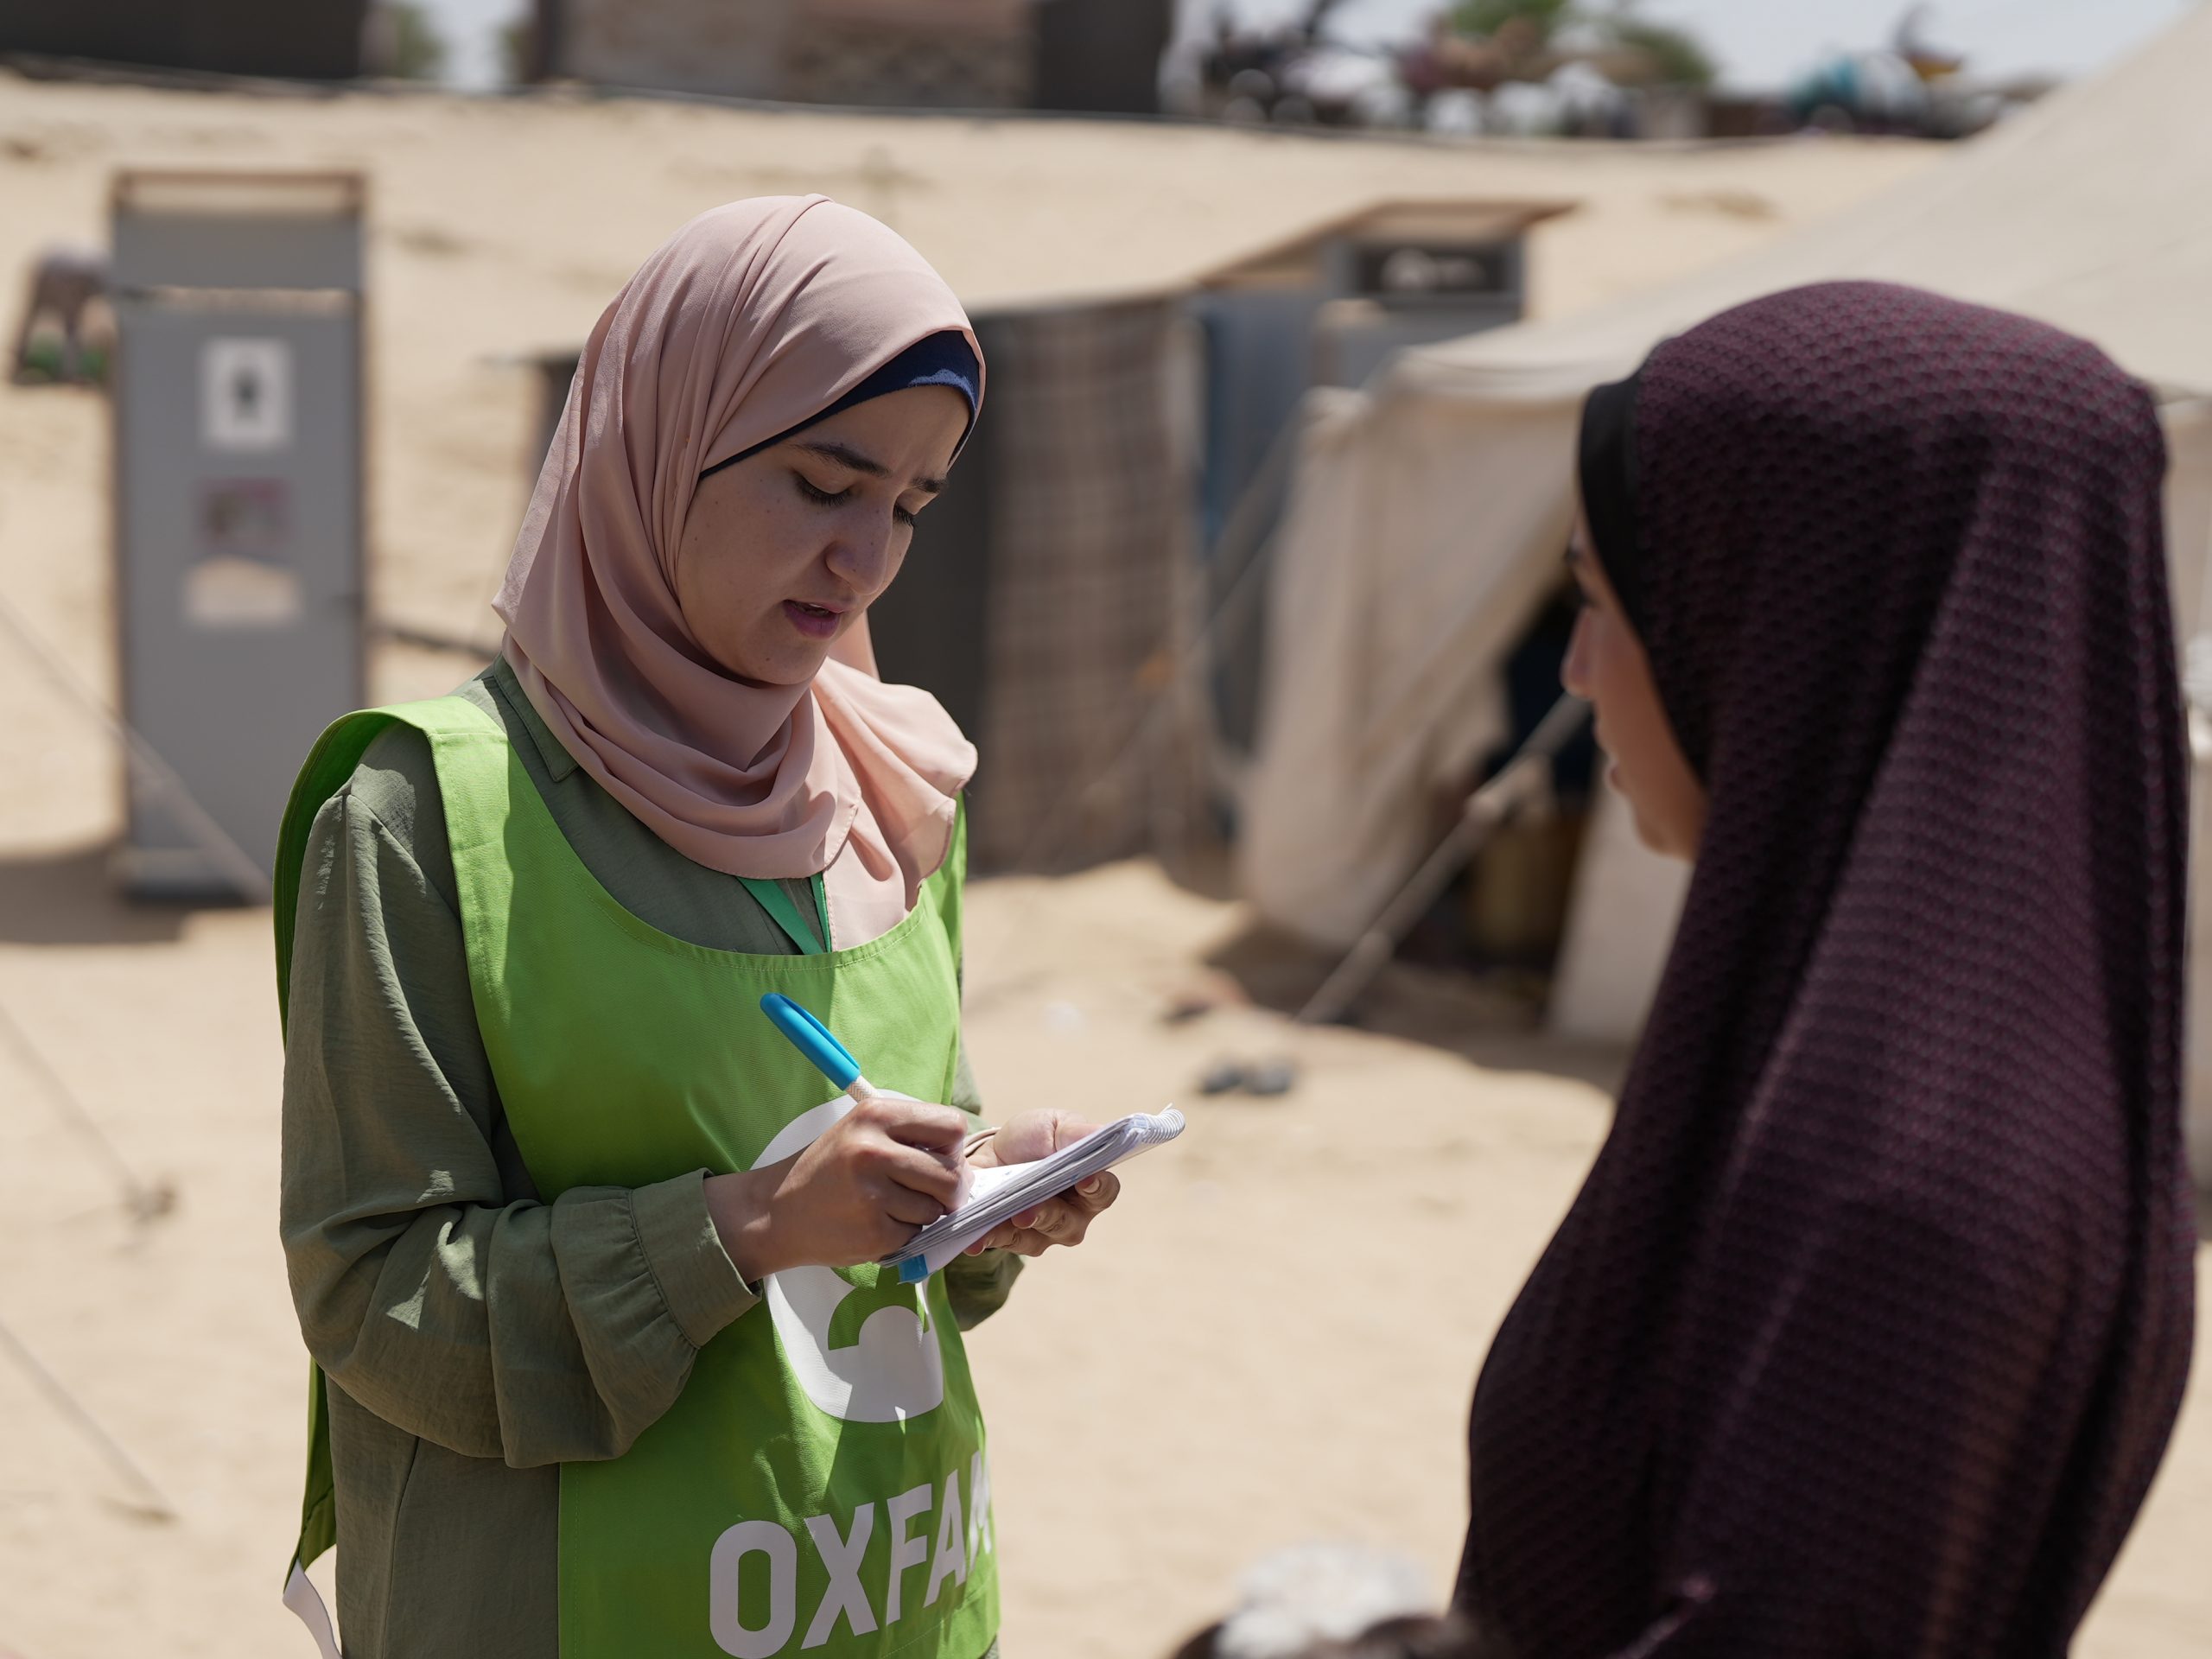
1429 513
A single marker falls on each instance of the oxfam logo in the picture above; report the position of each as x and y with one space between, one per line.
863 1355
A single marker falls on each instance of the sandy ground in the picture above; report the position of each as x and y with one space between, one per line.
1166 1404
1182 1394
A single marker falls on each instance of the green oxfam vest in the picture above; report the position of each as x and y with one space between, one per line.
820 1486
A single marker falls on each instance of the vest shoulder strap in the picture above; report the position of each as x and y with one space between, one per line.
329 764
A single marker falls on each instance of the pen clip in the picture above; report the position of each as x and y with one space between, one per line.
812 1039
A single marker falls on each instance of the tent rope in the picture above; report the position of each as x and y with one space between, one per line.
153 774
145 1201
155 1504
1526 777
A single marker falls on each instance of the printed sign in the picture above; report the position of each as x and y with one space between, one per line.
245 395
243 577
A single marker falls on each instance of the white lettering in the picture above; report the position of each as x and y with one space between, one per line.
725 1618
843 1558
979 1509
760 1624
906 1551
951 1562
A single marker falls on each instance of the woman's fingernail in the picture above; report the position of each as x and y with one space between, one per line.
1090 1186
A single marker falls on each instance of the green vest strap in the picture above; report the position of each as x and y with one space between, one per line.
329 764
785 914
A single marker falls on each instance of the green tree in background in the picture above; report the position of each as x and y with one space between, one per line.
1677 57
1486 17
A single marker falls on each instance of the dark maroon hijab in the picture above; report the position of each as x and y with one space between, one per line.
1869 1326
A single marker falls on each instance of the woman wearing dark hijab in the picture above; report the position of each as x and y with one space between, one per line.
1867 1329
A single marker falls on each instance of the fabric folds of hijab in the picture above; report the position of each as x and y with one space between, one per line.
1870 1325
749 321
1607 472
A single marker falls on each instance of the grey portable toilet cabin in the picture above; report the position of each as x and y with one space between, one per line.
238 513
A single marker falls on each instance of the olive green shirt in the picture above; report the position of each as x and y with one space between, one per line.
475 1337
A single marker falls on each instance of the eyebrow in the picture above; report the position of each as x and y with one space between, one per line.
844 455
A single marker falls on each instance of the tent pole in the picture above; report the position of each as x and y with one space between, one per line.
1516 783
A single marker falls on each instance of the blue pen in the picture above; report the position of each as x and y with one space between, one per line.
811 1038
833 1061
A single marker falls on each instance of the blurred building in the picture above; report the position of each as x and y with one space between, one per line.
911 53
299 40
1101 55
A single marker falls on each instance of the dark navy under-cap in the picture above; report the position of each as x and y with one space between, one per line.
943 360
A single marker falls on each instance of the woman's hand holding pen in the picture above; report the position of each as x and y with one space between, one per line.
854 1194
858 1192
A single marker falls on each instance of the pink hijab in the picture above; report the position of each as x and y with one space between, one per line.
748 321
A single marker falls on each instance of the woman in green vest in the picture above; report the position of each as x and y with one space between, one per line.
579 1246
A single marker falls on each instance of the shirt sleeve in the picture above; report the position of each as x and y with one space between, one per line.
431 1284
